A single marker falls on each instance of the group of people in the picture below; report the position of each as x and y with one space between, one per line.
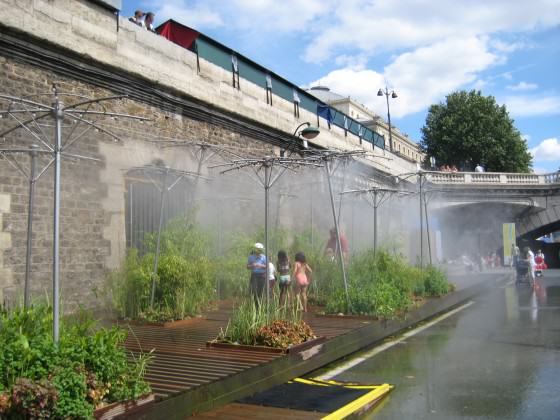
447 168
536 263
265 274
144 20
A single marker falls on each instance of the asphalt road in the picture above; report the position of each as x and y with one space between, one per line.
497 358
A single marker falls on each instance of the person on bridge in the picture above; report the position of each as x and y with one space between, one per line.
479 168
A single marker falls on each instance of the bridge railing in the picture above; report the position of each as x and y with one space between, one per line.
493 178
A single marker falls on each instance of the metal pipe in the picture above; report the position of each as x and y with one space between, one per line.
337 232
374 222
156 257
267 170
389 121
428 229
32 181
58 115
421 223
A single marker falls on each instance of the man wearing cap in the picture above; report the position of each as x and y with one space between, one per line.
137 18
257 264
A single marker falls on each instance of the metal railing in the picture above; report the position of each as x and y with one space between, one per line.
492 178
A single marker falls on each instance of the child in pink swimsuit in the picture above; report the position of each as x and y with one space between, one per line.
301 270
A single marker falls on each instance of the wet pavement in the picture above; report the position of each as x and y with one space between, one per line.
498 358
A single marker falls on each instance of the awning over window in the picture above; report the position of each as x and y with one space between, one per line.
179 34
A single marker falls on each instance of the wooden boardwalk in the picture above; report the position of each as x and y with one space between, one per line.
182 360
192 378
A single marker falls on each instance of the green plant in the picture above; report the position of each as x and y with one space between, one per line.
184 280
435 282
88 367
383 285
249 317
283 334
30 399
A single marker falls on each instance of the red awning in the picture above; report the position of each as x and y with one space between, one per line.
177 33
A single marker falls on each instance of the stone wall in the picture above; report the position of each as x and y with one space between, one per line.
93 193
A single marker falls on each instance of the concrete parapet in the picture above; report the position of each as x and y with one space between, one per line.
84 27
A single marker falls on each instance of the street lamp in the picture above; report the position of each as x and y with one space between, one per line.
308 133
393 95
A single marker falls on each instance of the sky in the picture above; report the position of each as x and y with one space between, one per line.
421 49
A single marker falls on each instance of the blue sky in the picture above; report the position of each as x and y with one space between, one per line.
423 49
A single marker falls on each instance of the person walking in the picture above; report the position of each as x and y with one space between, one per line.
531 260
514 255
257 264
284 279
301 272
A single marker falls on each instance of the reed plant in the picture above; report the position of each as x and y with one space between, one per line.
251 315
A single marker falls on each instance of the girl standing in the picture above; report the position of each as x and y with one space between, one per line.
284 279
301 270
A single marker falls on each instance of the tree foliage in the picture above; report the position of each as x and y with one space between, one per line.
470 129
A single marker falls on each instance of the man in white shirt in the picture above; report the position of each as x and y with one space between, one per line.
479 168
531 258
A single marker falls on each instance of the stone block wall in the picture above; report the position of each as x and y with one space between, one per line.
93 192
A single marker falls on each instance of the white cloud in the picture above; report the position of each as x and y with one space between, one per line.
386 25
421 77
257 16
521 86
547 150
199 16
529 106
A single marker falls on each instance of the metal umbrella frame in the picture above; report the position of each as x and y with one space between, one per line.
327 158
421 181
166 172
377 197
264 169
34 117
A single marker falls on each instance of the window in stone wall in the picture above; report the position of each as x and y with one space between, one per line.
143 200
269 89
296 103
235 71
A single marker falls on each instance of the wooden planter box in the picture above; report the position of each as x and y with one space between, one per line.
294 349
165 324
126 409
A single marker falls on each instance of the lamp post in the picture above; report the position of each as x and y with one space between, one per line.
308 133
393 95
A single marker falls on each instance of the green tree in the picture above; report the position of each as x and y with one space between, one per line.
470 129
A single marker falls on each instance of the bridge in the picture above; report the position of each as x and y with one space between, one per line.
473 206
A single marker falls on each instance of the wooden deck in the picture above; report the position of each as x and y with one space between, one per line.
182 360
192 378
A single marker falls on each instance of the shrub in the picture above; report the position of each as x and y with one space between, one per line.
30 400
283 334
88 367
383 285
435 282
